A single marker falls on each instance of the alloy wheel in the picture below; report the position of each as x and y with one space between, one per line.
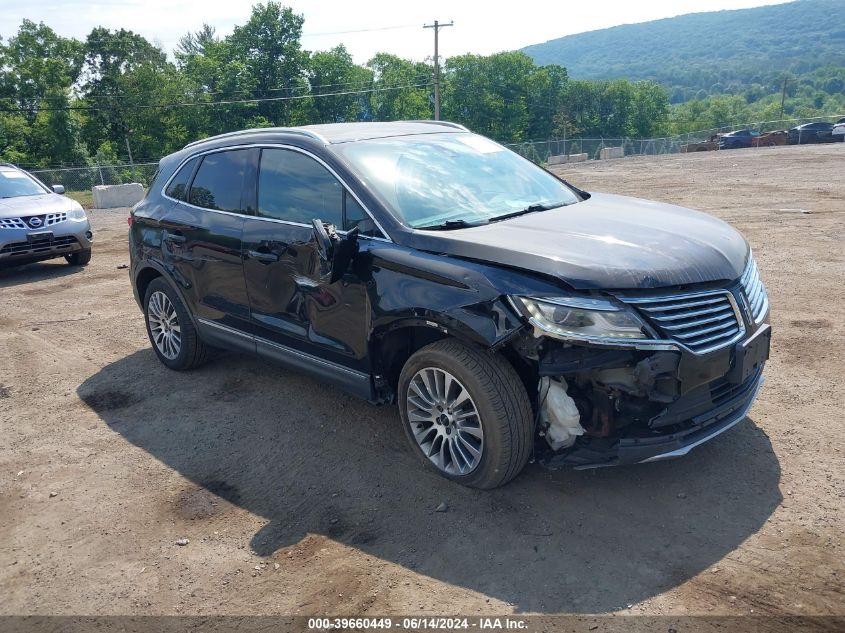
164 325
444 421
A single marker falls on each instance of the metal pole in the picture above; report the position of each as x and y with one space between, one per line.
437 26
131 164
782 99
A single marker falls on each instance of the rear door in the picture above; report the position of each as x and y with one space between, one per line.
298 318
202 240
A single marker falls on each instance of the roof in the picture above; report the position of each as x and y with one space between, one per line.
346 132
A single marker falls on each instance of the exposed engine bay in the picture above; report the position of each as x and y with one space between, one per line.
603 406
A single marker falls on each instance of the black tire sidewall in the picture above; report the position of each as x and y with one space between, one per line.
493 451
79 258
185 324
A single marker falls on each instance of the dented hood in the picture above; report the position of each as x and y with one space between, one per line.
607 242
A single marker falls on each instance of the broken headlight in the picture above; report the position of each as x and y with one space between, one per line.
583 318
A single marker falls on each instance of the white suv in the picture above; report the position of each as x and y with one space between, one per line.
38 223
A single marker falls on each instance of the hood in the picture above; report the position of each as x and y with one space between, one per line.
35 205
607 242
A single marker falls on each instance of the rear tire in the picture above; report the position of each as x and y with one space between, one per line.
502 430
79 258
172 334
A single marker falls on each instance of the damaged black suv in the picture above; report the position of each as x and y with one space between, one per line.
506 312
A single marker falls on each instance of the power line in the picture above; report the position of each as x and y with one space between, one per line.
147 106
382 28
133 95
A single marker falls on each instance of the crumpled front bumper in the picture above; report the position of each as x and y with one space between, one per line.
733 380
638 450
64 238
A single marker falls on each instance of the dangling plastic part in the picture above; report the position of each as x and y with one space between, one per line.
559 415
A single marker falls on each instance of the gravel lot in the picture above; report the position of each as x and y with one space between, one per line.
298 499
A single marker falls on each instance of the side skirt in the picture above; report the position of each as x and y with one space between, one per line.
355 382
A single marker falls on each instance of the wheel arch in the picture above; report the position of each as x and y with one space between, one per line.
394 343
145 275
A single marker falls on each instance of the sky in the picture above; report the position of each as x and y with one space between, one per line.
364 27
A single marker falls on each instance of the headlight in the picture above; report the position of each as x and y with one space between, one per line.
583 318
76 214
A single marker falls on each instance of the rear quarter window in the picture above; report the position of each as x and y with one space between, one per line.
178 187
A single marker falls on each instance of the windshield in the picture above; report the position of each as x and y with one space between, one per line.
14 183
435 179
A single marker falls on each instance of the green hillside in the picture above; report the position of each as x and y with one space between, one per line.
721 52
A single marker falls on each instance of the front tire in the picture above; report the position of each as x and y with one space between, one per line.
79 258
172 334
466 413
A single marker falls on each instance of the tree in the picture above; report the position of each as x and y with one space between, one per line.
491 94
268 46
198 42
40 68
650 113
115 63
400 89
334 72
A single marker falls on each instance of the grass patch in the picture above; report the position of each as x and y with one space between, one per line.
85 198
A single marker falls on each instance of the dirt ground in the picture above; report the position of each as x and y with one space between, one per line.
298 499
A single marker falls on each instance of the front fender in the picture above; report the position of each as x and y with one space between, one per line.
411 288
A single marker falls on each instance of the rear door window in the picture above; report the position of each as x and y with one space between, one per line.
220 181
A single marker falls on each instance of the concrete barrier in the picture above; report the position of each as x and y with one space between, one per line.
112 196
611 152
562 159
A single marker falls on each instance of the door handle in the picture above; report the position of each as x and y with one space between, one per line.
264 258
176 238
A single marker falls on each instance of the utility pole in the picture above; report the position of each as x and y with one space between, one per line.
783 95
437 26
129 151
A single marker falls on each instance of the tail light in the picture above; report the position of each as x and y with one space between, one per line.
129 220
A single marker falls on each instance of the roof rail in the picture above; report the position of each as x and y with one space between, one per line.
258 130
443 123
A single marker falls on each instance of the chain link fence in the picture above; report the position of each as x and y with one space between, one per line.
540 151
78 179
699 140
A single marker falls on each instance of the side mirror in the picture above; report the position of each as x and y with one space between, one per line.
325 244
58 189
335 253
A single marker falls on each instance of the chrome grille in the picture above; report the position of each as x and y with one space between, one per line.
22 223
702 322
755 291
12 223
54 218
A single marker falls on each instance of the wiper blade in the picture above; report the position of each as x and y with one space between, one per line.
529 209
448 225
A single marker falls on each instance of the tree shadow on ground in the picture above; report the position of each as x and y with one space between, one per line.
311 459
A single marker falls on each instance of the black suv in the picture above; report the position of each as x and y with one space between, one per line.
506 312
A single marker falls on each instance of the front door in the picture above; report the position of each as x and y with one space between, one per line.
299 318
